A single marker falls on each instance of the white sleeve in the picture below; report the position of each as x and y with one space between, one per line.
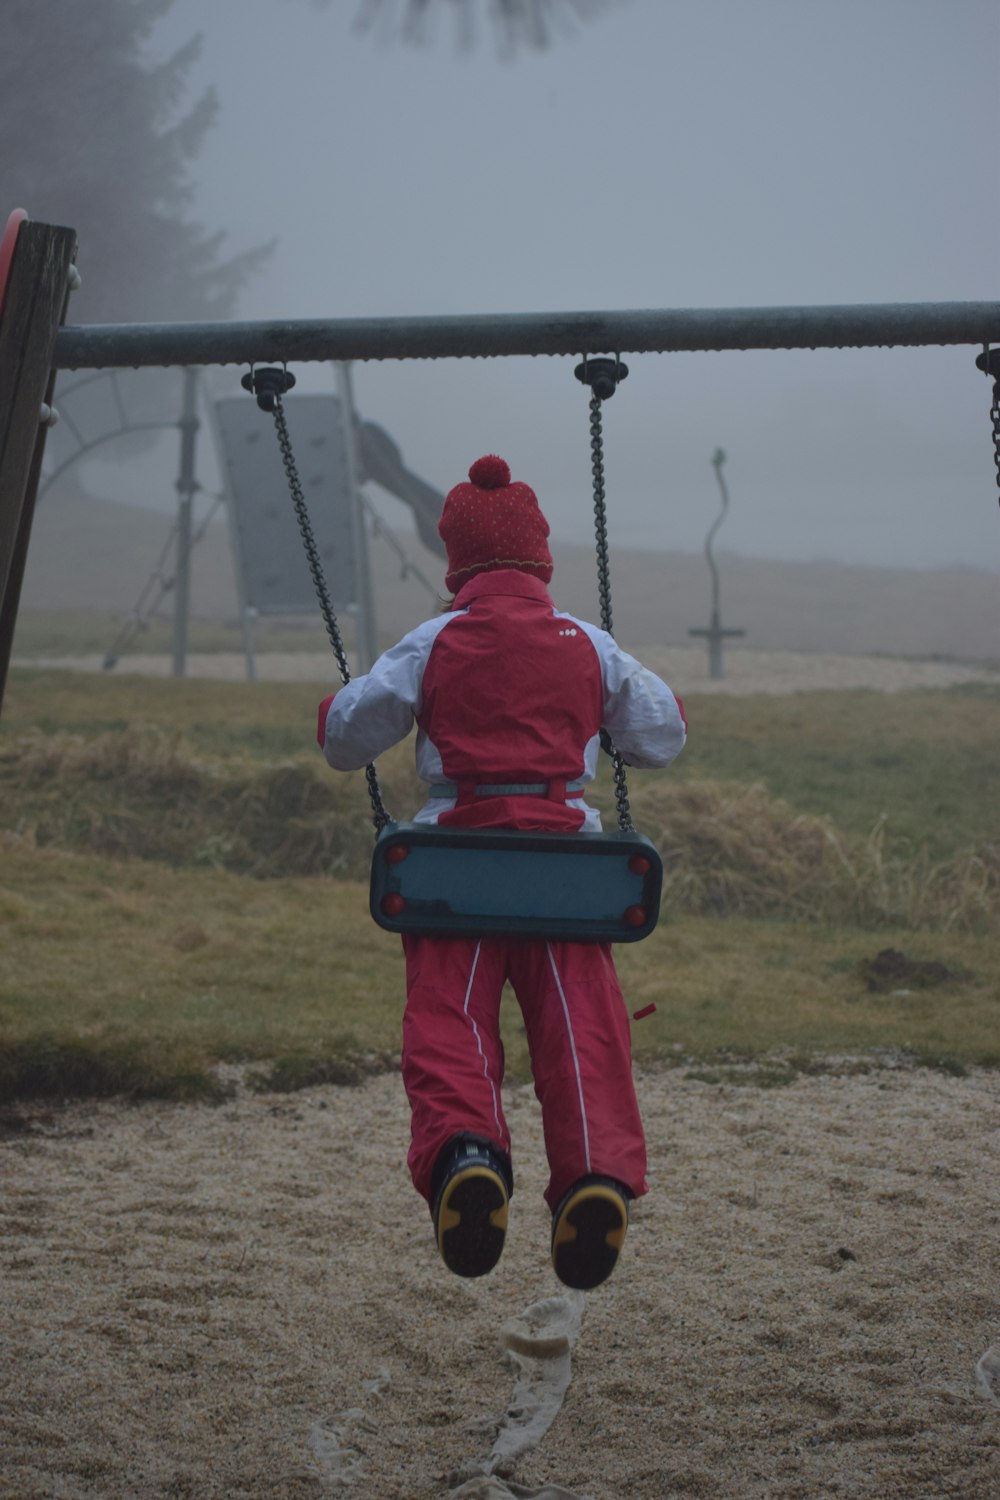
641 714
377 710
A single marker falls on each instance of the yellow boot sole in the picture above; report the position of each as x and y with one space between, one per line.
471 1221
588 1235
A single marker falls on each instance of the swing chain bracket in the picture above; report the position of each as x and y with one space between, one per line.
603 375
269 384
989 363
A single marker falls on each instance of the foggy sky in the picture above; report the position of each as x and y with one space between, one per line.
670 153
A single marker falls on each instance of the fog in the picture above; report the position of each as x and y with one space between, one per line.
667 153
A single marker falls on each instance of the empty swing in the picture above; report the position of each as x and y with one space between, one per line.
580 887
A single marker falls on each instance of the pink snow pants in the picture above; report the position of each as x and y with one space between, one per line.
578 1036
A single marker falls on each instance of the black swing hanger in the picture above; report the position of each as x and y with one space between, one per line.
602 374
268 384
579 887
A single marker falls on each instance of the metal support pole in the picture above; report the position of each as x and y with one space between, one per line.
658 331
34 304
187 485
366 643
248 616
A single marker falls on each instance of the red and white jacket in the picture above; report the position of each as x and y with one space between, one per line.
509 696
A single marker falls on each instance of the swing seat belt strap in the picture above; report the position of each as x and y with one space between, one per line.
465 791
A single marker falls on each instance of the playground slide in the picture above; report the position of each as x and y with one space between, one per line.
380 460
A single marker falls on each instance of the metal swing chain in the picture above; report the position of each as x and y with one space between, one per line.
380 817
604 586
600 511
989 363
995 419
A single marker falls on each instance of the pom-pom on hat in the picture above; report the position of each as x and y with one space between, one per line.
490 523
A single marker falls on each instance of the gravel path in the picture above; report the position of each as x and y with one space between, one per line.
245 1301
686 667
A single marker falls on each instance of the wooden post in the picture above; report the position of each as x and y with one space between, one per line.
33 308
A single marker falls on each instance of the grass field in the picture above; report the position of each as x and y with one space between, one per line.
183 886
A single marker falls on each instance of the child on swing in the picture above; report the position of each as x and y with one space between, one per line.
509 696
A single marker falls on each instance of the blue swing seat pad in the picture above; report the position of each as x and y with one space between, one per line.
578 887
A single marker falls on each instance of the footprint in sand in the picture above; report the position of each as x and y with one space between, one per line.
988 1374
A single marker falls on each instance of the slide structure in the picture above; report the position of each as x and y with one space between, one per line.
380 460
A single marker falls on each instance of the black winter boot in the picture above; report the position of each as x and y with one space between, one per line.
588 1231
470 1206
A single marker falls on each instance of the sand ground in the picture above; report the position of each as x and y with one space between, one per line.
246 1301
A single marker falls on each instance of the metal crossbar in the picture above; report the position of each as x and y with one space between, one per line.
486 335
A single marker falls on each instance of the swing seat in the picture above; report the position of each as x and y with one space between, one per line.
576 887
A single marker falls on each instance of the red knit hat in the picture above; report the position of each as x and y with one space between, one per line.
490 523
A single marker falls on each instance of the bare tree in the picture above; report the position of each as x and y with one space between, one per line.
532 24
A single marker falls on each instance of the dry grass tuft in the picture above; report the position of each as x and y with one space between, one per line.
61 1067
730 849
143 793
